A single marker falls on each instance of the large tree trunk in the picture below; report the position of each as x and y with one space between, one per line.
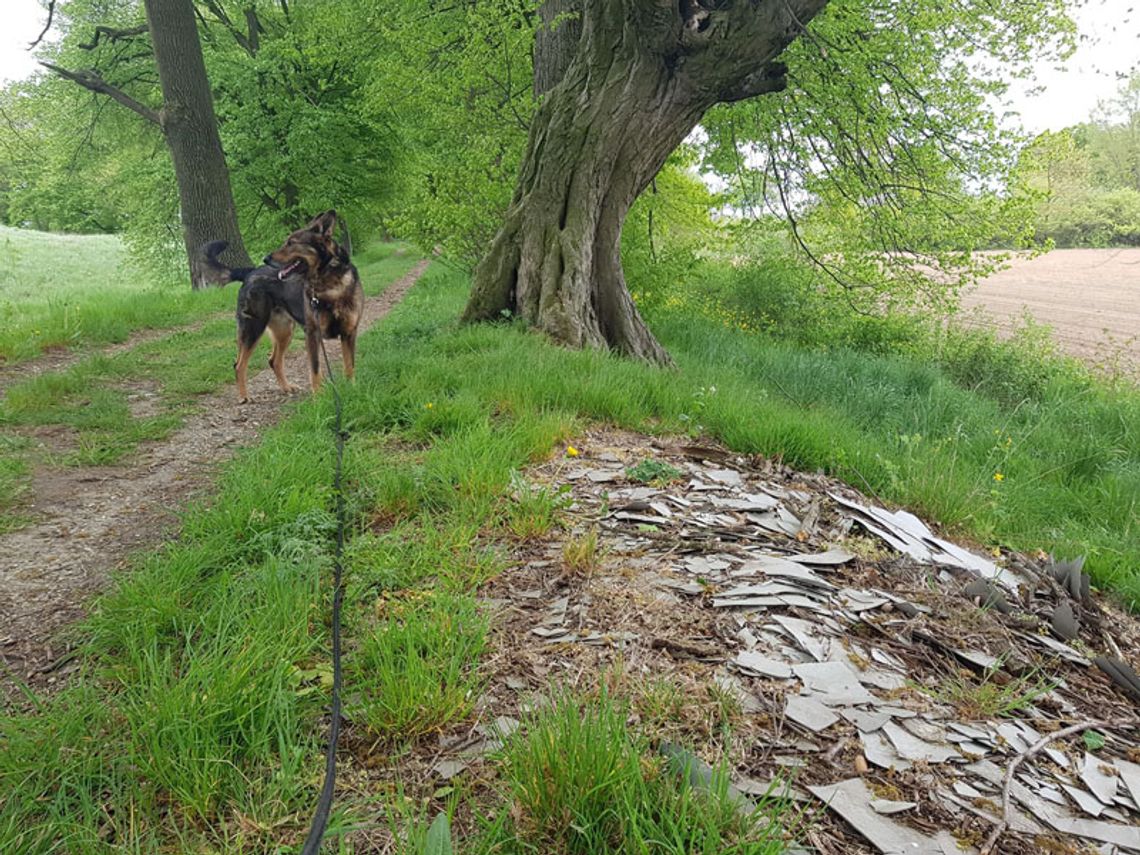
191 131
642 75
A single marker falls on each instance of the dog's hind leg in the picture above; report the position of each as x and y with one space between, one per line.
281 332
248 334
241 369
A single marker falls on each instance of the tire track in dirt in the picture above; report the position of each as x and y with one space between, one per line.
91 519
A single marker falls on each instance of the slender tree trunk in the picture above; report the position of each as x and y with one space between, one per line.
640 77
191 130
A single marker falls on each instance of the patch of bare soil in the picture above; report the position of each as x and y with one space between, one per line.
59 358
89 520
1090 297
882 678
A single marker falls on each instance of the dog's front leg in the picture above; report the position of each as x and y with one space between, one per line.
313 345
348 353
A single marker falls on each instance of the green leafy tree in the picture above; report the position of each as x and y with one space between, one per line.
860 117
187 123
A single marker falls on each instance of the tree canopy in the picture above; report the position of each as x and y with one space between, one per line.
414 118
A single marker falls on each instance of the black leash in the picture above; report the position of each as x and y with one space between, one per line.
324 803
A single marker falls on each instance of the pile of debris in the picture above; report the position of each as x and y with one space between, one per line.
915 696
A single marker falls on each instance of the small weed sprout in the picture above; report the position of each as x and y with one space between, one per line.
580 555
534 511
650 471
989 697
700 405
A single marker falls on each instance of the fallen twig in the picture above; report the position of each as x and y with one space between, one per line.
1033 750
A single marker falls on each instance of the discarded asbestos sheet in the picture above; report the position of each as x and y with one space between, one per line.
868 722
753 663
880 752
1130 775
911 747
851 799
793 571
716 556
833 683
701 776
810 713
909 535
1089 804
1059 818
886 807
829 559
1102 784
804 635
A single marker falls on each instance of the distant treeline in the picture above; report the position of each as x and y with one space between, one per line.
1085 180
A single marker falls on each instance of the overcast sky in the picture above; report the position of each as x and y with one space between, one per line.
1110 47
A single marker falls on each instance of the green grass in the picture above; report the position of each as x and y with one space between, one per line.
417 666
197 723
67 291
578 781
91 396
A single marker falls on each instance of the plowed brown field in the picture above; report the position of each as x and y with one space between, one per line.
1090 297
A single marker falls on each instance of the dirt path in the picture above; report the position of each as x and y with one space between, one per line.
91 519
1091 298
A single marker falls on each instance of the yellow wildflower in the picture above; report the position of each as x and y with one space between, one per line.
571 451
998 476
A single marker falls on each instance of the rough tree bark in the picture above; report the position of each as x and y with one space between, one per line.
640 76
189 127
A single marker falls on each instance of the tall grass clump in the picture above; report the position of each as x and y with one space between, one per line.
577 781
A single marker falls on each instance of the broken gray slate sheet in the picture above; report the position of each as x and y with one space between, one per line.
1130 774
748 502
826 560
805 635
851 799
833 684
910 535
754 664
809 712
886 807
1102 785
1061 818
911 747
790 571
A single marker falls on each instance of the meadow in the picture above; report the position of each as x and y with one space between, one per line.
196 722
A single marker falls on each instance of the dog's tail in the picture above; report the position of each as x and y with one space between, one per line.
208 255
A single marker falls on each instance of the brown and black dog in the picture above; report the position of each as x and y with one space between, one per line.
309 280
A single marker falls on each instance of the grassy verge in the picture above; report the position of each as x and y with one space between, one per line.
196 722
196 726
68 291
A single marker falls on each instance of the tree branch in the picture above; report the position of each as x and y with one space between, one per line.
255 29
113 35
47 26
90 79
770 78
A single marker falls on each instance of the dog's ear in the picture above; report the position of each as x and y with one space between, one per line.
324 224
